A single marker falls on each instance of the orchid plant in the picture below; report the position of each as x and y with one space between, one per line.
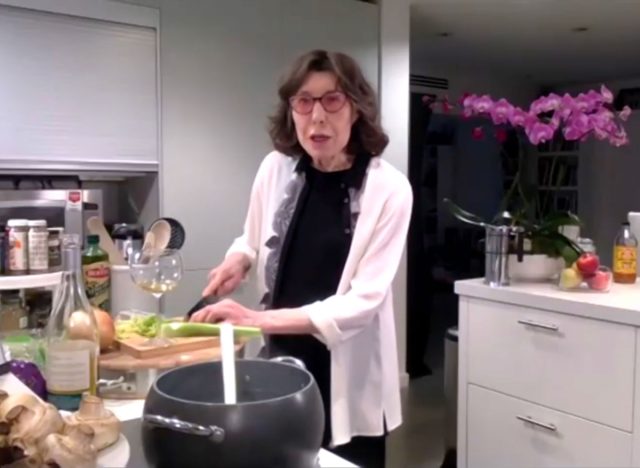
548 117
577 117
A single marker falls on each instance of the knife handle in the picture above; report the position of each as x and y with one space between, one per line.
203 302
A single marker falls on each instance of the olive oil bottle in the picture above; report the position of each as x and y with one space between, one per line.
97 274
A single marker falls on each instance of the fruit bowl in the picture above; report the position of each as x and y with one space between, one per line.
586 274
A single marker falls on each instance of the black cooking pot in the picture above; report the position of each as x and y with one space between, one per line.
278 421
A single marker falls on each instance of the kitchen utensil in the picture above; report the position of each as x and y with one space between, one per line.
123 376
496 254
162 233
202 302
96 226
178 234
149 241
127 238
278 421
138 347
228 364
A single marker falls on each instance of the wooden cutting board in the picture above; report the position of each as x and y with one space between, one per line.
135 346
116 360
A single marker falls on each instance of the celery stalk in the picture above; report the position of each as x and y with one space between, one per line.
191 329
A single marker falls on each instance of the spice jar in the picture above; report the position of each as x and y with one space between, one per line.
17 248
55 255
13 314
38 246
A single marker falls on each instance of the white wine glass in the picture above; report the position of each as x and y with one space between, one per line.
156 271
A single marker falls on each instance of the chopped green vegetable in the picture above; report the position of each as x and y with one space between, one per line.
145 326
189 329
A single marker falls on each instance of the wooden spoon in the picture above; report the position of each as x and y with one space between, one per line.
162 232
96 226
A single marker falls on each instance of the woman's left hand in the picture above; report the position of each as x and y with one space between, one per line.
229 311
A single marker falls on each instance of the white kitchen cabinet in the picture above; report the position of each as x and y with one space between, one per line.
548 377
509 432
78 87
552 359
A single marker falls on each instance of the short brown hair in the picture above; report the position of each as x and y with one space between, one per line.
367 136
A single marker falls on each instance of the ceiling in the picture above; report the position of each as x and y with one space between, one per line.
530 38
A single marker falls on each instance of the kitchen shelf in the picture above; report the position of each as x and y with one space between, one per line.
30 281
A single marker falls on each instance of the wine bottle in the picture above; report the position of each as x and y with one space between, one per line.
72 339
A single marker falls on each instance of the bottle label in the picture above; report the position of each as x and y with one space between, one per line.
68 371
38 250
97 284
18 259
625 260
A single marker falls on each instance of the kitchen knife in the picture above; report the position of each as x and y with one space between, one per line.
203 302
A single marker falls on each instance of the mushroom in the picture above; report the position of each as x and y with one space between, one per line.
103 422
8 402
31 421
70 449
24 462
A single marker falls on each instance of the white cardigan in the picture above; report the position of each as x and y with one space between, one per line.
357 323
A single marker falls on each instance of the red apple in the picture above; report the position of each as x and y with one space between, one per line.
588 263
601 280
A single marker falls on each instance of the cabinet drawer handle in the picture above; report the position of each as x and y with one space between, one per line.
545 326
530 420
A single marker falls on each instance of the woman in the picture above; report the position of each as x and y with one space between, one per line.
326 227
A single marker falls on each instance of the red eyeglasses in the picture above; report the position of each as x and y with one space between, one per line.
331 102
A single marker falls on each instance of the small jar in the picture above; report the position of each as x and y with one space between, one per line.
17 247
13 314
38 246
55 253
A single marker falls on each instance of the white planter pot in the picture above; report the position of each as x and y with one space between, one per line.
536 267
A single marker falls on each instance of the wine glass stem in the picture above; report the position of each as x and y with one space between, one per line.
158 316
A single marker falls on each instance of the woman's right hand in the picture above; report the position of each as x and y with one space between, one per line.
225 278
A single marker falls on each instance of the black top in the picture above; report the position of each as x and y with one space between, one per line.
314 253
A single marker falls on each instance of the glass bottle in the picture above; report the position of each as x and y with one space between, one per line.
625 255
97 274
71 366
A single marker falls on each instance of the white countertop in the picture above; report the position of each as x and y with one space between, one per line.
621 304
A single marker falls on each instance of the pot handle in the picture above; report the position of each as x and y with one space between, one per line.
289 360
214 433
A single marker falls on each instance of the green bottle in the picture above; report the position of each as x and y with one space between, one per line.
97 273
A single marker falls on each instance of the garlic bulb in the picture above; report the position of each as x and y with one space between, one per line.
92 412
71 449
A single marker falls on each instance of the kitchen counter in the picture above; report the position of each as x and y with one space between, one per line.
130 411
542 372
621 304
